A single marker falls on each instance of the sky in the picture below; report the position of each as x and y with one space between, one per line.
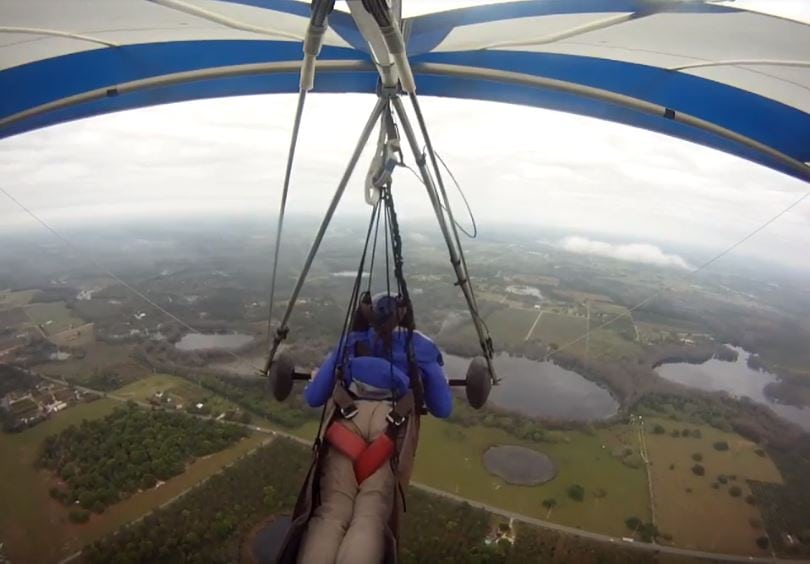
517 165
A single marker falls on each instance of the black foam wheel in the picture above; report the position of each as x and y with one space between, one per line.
479 382
281 376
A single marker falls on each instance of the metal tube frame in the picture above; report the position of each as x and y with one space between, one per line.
282 330
461 275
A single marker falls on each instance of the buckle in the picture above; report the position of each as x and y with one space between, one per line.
395 418
348 412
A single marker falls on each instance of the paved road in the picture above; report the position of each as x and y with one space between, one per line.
649 547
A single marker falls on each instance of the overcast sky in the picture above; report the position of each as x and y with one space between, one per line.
516 164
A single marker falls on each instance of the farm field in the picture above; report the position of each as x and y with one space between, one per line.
10 299
52 317
613 491
677 487
98 358
561 329
450 459
26 506
182 392
511 325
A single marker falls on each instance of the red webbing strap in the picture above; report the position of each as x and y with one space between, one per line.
368 458
373 457
345 440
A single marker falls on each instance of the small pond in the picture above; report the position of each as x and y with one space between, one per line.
519 465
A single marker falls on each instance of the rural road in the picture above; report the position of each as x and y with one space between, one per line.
649 547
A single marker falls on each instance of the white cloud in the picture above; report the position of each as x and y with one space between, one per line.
632 252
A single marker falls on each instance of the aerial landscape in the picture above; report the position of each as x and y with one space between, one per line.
404 281
631 446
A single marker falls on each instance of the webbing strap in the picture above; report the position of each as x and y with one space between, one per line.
342 399
373 457
367 457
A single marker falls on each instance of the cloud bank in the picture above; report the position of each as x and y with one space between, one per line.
633 252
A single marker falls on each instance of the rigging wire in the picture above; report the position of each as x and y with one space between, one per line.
89 258
470 213
299 111
373 249
420 118
690 274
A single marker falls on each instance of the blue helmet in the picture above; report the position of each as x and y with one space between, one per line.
385 307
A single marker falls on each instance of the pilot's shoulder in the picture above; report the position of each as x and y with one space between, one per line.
425 348
421 336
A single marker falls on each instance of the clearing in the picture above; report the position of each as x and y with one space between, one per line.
687 506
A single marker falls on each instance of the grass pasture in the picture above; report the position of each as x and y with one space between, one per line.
508 325
450 458
706 518
52 317
98 357
182 392
10 299
12 318
511 325
28 514
561 329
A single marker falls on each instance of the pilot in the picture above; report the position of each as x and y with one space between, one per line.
348 527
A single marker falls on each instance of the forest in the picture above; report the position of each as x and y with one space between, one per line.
13 379
103 461
786 507
210 523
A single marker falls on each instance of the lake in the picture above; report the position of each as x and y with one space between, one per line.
541 389
735 378
205 341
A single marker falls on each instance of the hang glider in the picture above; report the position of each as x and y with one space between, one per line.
726 78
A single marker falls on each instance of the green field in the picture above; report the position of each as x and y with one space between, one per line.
99 357
706 518
10 300
609 345
561 329
27 512
52 317
182 392
449 458
511 325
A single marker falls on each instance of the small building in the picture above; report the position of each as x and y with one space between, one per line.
55 407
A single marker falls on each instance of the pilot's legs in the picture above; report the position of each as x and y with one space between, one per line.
364 542
331 518
361 514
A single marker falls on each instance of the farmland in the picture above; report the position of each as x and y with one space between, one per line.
25 504
677 487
